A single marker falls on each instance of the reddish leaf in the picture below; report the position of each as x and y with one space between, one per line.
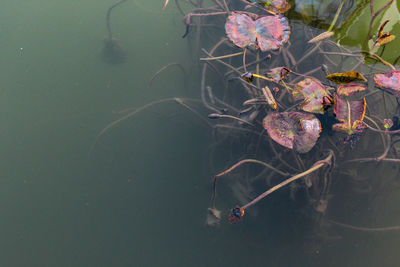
240 29
294 130
271 32
351 89
277 74
313 93
350 113
389 82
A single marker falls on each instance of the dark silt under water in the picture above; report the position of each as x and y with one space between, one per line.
140 197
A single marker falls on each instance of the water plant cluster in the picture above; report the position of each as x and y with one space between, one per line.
292 100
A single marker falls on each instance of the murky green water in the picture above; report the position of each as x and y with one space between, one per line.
140 197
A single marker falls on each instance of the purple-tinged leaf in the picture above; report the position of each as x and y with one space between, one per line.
294 130
350 113
313 93
351 89
277 74
389 82
240 29
272 32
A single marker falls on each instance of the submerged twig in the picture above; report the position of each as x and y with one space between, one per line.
133 113
366 229
237 165
165 68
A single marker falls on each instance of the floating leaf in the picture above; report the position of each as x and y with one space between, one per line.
294 130
350 113
240 29
346 77
321 37
389 82
383 38
270 32
277 74
280 5
351 89
276 5
313 93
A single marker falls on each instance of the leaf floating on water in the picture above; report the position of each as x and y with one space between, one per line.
351 89
240 29
389 82
350 113
321 37
272 32
267 32
313 93
294 130
279 73
280 6
346 77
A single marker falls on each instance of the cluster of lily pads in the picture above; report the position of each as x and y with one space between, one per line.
298 130
292 107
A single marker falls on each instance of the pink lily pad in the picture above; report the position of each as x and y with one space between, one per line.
267 33
350 113
313 93
294 130
351 89
389 82
240 29
272 32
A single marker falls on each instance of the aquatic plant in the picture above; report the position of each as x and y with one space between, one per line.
289 100
389 82
266 33
294 130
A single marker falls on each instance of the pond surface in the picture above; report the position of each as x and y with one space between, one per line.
139 197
